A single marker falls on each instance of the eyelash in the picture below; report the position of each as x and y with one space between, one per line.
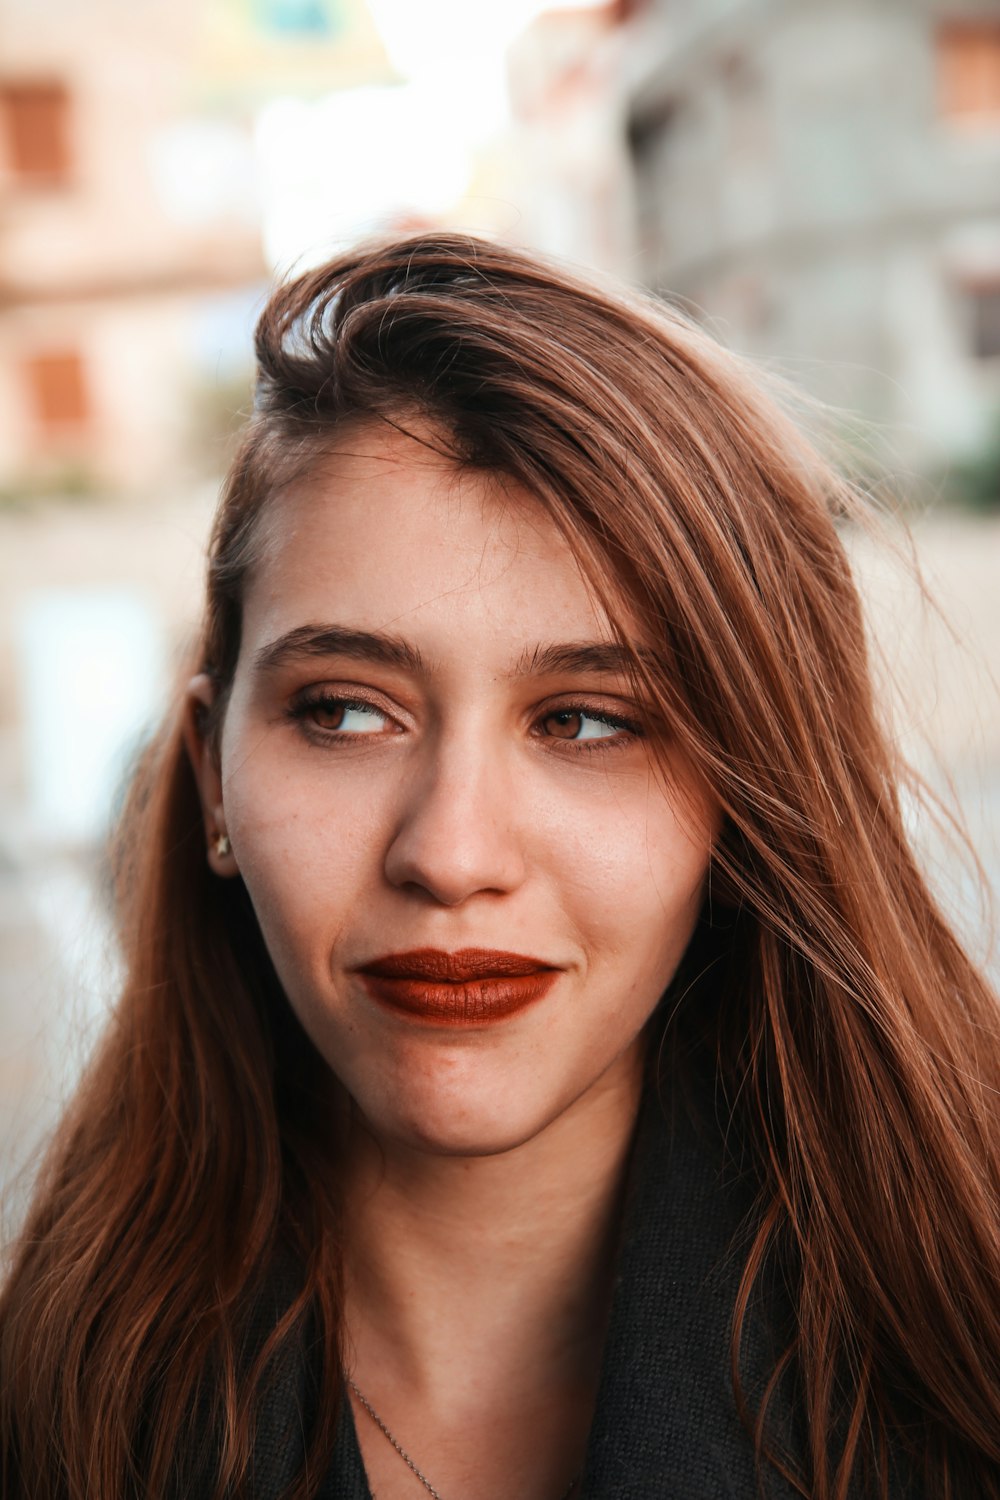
630 730
300 709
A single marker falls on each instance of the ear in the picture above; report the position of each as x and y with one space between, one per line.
203 755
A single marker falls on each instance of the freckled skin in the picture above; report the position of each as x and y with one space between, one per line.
453 811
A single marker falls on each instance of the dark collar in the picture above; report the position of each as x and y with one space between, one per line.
666 1422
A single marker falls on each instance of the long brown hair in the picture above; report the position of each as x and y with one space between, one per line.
856 1042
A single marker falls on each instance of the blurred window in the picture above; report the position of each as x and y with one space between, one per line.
34 123
985 307
651 135
968 55
300 17
649 130
57 390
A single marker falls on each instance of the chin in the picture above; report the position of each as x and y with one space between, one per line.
472 1131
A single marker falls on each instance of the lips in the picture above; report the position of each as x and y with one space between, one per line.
472 987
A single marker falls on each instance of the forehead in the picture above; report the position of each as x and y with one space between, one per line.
385 531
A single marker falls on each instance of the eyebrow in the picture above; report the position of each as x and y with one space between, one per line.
576 658
339 640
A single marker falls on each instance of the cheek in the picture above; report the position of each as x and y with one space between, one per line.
309 850
633 870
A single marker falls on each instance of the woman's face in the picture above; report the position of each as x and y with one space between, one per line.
430 751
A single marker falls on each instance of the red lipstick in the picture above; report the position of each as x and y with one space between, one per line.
472 987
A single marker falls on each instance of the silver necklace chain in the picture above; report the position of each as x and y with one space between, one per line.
403 1453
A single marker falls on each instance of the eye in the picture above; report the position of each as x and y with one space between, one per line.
588 725
335 716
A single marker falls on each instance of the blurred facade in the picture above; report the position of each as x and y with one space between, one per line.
825 182
131 238
820 184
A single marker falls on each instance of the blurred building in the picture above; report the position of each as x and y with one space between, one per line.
131 247
821 183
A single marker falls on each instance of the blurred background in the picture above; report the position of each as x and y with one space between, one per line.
819 184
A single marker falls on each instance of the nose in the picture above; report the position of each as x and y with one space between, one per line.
457 835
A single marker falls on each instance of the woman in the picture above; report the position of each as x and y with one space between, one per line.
542 1069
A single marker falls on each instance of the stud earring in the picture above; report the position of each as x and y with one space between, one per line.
221 845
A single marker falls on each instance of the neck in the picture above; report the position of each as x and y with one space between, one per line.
448 1257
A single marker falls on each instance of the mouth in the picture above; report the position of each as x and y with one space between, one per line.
473 987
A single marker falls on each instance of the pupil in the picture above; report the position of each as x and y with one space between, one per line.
330 715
